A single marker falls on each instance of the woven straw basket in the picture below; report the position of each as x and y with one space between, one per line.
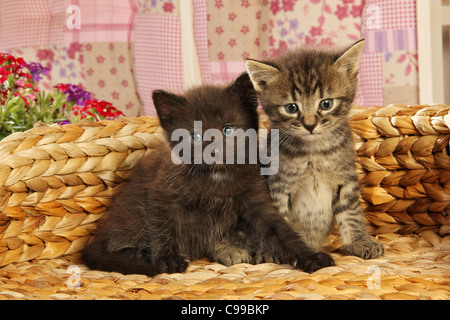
57 181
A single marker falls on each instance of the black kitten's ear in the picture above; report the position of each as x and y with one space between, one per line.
348 62
261 74
243 88
167 104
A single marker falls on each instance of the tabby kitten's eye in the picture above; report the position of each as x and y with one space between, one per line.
326 104
291 108
228 131
196 137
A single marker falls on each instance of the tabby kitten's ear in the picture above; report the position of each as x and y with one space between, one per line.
261 74
167 105
349 60
242 87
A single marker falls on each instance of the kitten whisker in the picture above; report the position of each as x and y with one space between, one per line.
315 169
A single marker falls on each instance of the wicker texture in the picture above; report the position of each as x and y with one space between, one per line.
413 268
56 181
404 162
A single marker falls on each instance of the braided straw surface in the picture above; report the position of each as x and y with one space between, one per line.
404 165
56 181
413 268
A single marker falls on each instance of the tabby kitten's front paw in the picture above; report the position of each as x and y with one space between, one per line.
171 264
366 249
315 261
232 255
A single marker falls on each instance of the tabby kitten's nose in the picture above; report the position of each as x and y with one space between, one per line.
311 127
309 123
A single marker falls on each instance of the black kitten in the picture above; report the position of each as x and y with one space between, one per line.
173 211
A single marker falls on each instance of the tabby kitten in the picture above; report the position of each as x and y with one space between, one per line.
171 213
307 95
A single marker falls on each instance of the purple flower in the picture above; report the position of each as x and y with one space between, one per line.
63 122
37 70
75 93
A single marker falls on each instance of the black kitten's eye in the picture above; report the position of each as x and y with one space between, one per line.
196 137
228 131
326 104
291 108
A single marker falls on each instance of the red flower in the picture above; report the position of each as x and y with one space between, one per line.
61 87
4 74
21 62
24 100
103 108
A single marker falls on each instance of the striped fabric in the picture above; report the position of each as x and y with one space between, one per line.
391 40
389 28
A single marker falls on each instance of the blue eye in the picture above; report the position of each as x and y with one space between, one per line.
228 131
196 137
291 108
326 104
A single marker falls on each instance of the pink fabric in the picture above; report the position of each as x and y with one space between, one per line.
389 62
370 84
27 23
158 55
102 21
201 37
226 32
398 14
226 71
43 22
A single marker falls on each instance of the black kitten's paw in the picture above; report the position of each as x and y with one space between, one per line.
268 257
171 264
315 261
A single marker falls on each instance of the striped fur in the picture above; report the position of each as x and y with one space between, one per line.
317 183
169 214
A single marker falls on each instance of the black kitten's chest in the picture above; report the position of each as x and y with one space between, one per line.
208 205
216 207
203 222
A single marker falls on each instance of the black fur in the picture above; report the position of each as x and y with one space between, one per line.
168 214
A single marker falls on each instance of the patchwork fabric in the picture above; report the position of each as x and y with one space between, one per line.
370 80
158 56
225 32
